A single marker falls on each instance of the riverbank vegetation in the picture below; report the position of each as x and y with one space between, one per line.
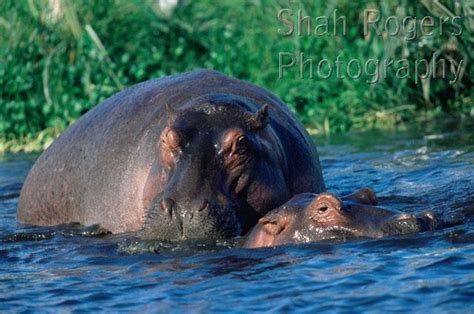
59 58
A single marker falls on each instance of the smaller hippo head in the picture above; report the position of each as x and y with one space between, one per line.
220 168
325 217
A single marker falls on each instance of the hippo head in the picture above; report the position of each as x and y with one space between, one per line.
311 217
220 169
325 217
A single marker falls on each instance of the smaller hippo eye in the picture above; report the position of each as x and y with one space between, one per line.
323 209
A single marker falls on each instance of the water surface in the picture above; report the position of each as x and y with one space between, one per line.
67 270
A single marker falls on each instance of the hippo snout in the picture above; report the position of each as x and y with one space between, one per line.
172 219
184 216
168 206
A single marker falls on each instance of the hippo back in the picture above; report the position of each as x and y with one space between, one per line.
95 172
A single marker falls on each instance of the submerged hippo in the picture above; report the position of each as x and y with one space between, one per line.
196 155
310 217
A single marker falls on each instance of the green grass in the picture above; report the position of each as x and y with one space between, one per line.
58 59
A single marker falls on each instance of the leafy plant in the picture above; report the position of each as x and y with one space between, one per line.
59 58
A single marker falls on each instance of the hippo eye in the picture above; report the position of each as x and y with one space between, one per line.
241 144
239 152
171 139
323 209
170 146
234 143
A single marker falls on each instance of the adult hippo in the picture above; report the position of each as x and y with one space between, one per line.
196 155
309 218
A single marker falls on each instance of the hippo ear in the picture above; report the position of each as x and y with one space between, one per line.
325 203
259 119
171 113
365 196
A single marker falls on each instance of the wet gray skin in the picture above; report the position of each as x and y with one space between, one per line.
192 156
325 217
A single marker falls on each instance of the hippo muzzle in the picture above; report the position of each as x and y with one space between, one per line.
191 219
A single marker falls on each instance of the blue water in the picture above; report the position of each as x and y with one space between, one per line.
70 270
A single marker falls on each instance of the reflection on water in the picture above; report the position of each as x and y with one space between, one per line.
72 268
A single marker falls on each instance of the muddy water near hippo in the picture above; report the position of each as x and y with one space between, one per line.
75 269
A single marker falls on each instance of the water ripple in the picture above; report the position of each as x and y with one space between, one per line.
65 269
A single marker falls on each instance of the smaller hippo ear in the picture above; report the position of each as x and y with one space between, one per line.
365 196
325 202
259 119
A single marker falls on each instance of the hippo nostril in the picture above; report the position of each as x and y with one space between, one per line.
204 205
167 206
